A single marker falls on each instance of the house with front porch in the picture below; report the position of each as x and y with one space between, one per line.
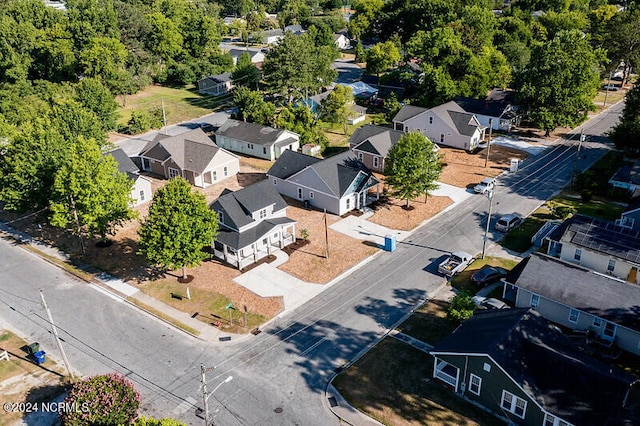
252 222
447 124
191 155
599 245
336 184
525 371
371 144
579 299
256 140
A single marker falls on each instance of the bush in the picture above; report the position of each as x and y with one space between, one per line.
564 212
139 122
108 399
148 421
461 307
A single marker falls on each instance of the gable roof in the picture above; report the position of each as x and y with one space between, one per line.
289 163
250 132
338 172
239 205
493 105
192 150
572 285
544 362
374 139
407 112
600 236
236 53
452 114
125 164
218 78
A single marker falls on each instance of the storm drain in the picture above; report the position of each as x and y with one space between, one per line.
278 410
332 401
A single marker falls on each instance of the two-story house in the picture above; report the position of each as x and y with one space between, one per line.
252 222
525 371
371 144
578 298
599 245
497 110
256 140
337 184
447 124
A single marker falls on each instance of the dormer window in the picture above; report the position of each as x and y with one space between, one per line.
263 213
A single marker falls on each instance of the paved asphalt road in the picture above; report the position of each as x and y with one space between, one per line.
279 375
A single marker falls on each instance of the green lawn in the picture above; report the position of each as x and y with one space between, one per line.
429 323
462 281
180 104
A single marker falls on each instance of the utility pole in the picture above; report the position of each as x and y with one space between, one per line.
205 397
486 160
326 236
55 334
575 160
164 117
606 92
486 231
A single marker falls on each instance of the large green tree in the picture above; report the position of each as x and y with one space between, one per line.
623 43
381 57
557 87
252 107
90 194
336 107
245 72
296 67
626 134
412 167
177 228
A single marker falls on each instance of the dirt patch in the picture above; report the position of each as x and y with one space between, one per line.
464 170
391 212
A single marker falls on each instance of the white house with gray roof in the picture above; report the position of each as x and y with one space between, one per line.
599 245
191 155
579 299
141 189
338 184
371 145
252 222
447 124
256 140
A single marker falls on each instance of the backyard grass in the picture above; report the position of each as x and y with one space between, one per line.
181 104
392 383
594 208
462 281
209 306
429 323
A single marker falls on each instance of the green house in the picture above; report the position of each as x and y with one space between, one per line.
522 368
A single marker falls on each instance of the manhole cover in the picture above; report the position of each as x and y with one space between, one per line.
278 410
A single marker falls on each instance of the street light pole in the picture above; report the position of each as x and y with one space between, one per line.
206 395
575 160
486 230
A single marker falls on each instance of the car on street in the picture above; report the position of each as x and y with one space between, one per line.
610 87
485 185
507 222
489 303
488 275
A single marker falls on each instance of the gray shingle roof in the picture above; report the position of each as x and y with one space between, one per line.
289 163
374 139
600 236
407 112
238 240
629 173
250 132
545 362
192 150
492 106
125 165
580 288
239 205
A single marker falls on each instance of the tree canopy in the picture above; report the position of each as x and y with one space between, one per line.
178 226
625 134
412 167
336 107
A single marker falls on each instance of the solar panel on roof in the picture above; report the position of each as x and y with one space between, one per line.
606 237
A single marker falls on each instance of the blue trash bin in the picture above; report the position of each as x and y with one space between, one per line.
40 357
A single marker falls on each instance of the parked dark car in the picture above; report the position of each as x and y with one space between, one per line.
488 275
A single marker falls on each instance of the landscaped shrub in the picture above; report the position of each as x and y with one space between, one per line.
461 307
104 400
148 421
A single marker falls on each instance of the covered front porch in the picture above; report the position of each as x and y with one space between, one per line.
447 373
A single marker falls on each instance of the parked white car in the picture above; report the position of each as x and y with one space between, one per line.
507 222
485 185
455 263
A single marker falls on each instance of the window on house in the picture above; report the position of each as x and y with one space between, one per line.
263 213
441 137
142 195
360 156
487 367
299 193
611 266
220 215
311 194
573 315
430 120
609 330
215 175
475 383
173 173
550 420
513 404
597 322
535 301
348 203
376 161
275 182
264 241
577 255
226 171
264 149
